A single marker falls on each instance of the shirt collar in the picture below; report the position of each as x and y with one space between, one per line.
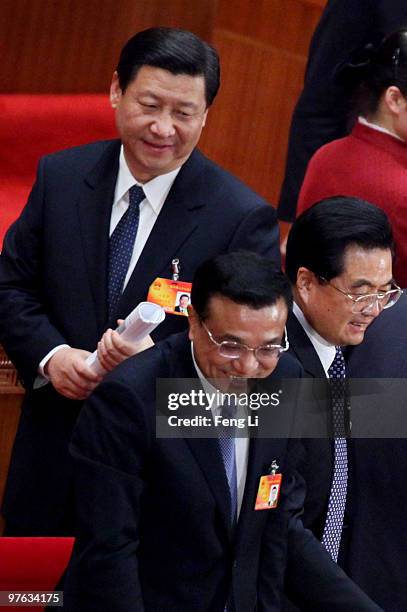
155 190
325 350
378 128
206 385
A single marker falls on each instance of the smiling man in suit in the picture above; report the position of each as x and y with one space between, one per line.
102 222
169 523
339 260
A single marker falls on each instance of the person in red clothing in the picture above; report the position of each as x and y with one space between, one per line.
371 163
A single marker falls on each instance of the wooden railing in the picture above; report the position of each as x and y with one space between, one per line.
11 395
8 375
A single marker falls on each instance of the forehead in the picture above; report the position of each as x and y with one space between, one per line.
372 265
251 326
164 84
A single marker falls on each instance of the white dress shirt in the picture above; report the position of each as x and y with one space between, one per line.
155 191
325 350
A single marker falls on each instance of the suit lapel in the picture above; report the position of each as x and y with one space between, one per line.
174 225
206 451
301 347
207 454
94 207
262 452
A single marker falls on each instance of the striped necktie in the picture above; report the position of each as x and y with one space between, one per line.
331 537
227 449
121 247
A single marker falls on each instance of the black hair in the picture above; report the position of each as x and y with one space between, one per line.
242 276
172 49
182 296
320 236
371 70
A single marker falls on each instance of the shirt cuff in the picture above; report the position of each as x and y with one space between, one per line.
42 379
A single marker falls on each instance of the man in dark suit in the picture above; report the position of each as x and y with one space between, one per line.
339 260
323 109
183 304
377 554
102 222
169 523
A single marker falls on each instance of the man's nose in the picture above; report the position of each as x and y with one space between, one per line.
246 365
374 308
163 125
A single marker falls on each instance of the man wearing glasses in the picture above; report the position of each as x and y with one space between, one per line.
172 524
339 261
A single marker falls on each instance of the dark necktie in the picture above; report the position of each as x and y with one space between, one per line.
227 449
331 537
121 247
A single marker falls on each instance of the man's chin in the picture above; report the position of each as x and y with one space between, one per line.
230 384
238 384
355 339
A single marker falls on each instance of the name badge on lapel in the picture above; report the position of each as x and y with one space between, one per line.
268 492
173 296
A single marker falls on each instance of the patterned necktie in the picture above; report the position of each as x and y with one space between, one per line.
331 537
121 247
227 449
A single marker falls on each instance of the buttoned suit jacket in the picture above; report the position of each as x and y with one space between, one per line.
154 513
53 290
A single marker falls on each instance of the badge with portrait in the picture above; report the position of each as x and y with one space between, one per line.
172 295
268 492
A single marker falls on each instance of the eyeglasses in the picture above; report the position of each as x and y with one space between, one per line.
363 303
236 350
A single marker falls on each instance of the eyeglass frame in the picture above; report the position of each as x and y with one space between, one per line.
357 299
281 349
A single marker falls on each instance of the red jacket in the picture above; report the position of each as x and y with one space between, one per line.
370 165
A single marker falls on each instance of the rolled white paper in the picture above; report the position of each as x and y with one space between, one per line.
145 317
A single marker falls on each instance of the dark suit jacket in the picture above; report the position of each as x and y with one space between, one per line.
317 467
322 111
377 555
154 513
177 309
373 548
53 290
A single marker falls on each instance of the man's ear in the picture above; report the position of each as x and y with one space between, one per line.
394 100
305 282
205 117
115 90
194 321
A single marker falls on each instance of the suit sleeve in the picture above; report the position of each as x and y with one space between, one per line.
321 113
26 330
315 582
103 574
